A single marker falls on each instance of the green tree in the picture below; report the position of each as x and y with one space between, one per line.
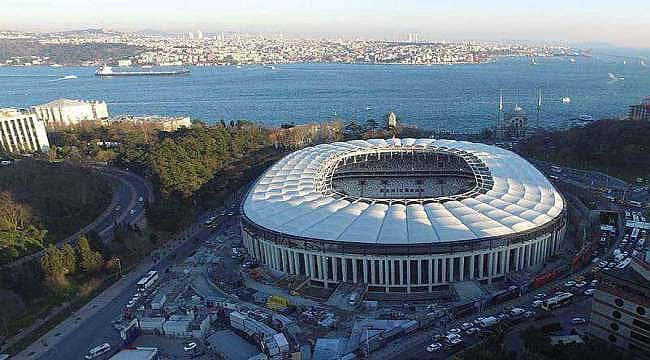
53 266
69 259
89 261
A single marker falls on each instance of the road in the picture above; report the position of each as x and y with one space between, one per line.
94 327
127 188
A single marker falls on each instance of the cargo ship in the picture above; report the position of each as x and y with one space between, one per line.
108 71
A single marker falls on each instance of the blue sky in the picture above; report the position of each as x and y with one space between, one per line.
623 22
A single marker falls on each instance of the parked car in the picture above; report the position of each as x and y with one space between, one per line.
189 346
472 331
589 292
569 283
454 331
466 326
537 303
434 347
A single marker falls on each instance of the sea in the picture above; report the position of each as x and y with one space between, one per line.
459 98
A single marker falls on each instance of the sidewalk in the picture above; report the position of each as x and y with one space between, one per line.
94 306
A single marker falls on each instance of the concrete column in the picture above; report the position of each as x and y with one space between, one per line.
354 270
372 272
319 266
522 256
436 263
443 270
335 270
325 268
419 262
471 266
528 249
344 269
386 275
490 266
507 260
408 275
481 271
461 269
312 264
296 262
431 279
393 271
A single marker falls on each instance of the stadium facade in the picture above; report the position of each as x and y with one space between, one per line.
402 215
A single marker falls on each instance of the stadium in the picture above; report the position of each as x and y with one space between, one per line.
402 215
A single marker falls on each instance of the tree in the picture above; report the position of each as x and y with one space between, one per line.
53 266
69 259
89 261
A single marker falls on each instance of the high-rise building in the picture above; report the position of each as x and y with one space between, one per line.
65 112
22 132
199 34
619 314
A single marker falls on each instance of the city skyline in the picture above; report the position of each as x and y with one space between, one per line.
567 22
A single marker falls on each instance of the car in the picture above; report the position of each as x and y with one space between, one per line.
454 331
439 337
132 211
536 303
189 346
589 292
569 283
140 199
434 347
580 284
594 282
578 320
455 341
118 208
231 214
466 326
472 330
529 314
540 296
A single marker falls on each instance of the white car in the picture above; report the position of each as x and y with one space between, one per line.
434 347
456 341
540 296
569 283
589 292
578 320
472 331
189 346
580 284
466 326
537 303
454 331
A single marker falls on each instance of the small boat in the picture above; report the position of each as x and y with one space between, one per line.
147 66
572 60
68 77
532 61
56 65
643 63
108 71
613 77
566 100
585 118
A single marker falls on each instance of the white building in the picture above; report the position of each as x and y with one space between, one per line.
164 123
22 132
64 112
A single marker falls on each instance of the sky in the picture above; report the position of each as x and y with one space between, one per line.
623 23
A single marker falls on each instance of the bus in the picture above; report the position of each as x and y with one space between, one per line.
556 301
147 281
98 351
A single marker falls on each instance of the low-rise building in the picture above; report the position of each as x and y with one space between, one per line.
640 111
22 132
65 112
138 353
164 123
619 313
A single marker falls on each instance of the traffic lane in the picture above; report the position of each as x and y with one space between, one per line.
98 328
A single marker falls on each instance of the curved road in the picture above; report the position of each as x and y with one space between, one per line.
127 188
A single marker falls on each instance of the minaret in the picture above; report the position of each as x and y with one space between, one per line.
539 106
499 127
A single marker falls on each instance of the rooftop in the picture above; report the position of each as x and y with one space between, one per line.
290 198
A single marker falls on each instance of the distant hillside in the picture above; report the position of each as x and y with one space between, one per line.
68 54
620 148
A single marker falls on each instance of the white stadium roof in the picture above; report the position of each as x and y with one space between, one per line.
288 199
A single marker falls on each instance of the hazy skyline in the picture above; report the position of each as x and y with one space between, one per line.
619 23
